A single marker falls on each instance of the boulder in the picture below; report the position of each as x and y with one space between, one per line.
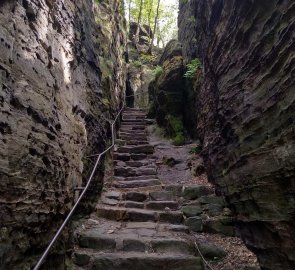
195 224
191 211
211 251
172 49
219 225
145 35
196 191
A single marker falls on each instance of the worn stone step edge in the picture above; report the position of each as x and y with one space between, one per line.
136 164
91 239
135 260
135 178
138 215
140 196
136 183
149 205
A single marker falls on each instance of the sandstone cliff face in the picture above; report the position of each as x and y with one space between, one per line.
246 107
61 75
166 92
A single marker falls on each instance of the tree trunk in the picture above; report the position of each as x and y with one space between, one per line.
149 19
136 38
129 7
150 50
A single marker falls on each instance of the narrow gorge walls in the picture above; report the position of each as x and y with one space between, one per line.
62 75
245 114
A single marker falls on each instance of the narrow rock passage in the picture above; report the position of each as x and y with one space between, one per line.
137 224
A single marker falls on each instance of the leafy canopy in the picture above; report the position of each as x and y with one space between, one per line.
167 23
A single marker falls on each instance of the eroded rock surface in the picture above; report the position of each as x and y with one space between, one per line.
61 74
245 117
166 92
145 35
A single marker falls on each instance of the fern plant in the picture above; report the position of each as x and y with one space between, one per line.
192 68
157 71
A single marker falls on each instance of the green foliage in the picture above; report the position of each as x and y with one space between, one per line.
147 58
137 63
157 71
196 150
192 68
176 129
179 140
167 27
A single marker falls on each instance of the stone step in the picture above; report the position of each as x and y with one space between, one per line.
150 205
132 117
133 137
131 171
129 240
131 204
131 142
135 196
136 163
132 134
128 136
121 157
135 122
139 189
136 142
138 215
137 183
137 260
134 178
130 109
162 205
137 113
162 196
140 200
132 128
130 113
138 149
128 157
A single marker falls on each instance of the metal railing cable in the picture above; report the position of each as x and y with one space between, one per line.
202 256
46 252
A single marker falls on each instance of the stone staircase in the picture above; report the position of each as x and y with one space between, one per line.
138 223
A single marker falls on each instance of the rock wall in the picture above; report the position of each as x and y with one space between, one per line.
245 118
166 92
172 96
141 65
62 74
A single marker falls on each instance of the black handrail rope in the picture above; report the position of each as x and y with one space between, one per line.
41 260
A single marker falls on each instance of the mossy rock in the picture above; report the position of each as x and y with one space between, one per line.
191 210
211 251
